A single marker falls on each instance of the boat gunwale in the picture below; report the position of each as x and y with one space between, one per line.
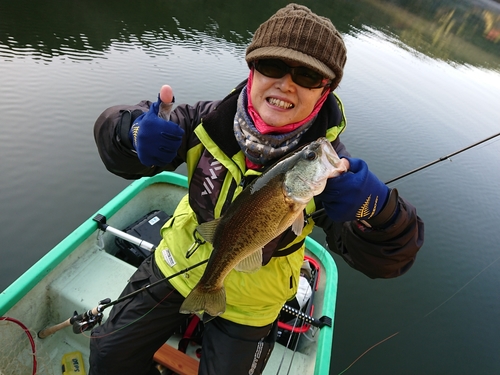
29 279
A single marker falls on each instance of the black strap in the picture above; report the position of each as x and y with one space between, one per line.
387 213
289 250
124 126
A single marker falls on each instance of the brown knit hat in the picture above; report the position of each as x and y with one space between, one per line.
296 33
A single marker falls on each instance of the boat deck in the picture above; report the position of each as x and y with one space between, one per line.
78 289
82 270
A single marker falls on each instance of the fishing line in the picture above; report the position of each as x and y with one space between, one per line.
366 351
309 310
321 212
144 288
454 294
287 345
89 319
443 158
298 336
423 317
129 324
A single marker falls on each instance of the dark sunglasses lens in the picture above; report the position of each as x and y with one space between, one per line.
307 77
301 75
271 68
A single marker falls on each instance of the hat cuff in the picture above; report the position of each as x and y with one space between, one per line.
293 55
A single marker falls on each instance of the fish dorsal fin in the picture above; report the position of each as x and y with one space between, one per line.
251 263
298 224
207 230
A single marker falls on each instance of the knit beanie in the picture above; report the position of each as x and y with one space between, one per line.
296 33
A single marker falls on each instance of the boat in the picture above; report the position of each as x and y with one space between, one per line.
83 270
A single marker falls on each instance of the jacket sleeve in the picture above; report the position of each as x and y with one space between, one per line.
111 136
385 247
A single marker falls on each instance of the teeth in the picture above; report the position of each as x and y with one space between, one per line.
280 103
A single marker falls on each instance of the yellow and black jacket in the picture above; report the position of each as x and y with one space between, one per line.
217 174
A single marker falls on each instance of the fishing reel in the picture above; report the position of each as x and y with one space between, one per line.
89 319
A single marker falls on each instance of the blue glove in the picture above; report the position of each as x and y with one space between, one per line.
155 140
355 194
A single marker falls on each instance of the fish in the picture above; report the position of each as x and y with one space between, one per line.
271 204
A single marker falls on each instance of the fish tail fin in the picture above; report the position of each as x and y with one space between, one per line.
213 302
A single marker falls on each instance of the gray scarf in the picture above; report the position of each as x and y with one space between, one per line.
262 148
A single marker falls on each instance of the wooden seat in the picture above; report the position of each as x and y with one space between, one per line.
177 361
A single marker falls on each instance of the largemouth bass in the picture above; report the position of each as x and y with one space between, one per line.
261 212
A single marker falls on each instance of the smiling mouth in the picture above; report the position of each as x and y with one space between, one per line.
279 103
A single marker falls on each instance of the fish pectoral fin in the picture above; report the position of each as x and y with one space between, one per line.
251 263
298 224
207 230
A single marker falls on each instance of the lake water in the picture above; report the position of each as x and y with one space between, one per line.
422 81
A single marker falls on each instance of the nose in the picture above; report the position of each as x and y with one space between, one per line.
285 83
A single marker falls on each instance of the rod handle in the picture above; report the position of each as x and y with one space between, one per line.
44 333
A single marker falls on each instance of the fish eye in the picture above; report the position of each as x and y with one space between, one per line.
311 155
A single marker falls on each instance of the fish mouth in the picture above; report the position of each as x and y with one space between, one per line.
280 103
336 164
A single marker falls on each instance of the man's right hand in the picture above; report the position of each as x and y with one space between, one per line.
155 140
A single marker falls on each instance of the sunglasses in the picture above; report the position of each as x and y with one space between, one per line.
302 76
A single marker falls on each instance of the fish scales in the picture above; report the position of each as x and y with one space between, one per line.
237 232
265 209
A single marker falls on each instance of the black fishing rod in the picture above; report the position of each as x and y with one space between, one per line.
88 319
442 158
318 213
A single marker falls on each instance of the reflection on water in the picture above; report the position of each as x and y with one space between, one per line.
449 31
421 81
465 32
